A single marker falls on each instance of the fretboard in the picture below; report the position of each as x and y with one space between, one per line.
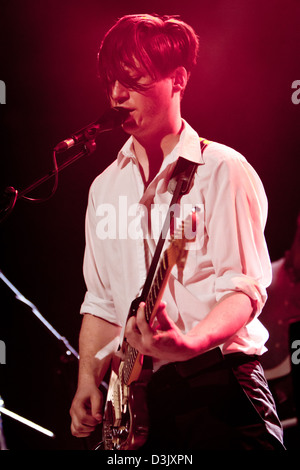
156 289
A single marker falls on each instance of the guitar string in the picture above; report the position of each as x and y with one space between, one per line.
132 353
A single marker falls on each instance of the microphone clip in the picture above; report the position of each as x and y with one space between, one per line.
112 118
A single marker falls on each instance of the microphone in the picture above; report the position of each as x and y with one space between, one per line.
112 118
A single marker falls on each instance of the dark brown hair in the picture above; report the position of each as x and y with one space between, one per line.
146 44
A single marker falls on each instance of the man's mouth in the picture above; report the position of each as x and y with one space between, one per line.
130 111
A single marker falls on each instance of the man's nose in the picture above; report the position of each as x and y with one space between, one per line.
119 93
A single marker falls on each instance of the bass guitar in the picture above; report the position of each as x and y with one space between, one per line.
125 421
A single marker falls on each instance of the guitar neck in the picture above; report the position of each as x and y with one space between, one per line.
157 287
151 304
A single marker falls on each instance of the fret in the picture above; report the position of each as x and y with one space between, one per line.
150 299
159 278
130 358
164 261
147 311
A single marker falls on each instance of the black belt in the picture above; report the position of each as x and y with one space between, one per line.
208 360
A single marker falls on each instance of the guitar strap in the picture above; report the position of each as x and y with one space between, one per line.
179 184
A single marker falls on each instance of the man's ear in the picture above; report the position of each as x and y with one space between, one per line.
180 79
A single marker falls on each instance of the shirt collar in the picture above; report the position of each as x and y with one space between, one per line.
187 147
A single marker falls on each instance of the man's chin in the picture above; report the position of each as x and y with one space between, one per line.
130 127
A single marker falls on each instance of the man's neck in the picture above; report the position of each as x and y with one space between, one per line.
150 155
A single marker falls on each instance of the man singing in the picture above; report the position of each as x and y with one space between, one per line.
211 307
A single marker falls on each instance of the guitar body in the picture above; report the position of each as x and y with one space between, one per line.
125 421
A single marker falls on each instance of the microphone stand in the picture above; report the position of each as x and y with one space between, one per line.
112 118
11 195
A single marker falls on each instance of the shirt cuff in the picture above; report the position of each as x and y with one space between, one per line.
230 283
101 308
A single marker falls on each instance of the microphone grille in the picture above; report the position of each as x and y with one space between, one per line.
113 117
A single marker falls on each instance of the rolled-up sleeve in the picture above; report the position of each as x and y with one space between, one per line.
236 211
98 299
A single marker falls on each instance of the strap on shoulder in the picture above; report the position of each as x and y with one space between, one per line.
204 143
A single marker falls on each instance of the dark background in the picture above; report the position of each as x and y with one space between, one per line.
240 95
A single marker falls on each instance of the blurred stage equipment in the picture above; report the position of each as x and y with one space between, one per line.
281 316
70 350
22 420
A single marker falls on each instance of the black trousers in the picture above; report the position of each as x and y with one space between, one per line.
212 402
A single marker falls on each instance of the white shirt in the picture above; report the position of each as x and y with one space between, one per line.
228 255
